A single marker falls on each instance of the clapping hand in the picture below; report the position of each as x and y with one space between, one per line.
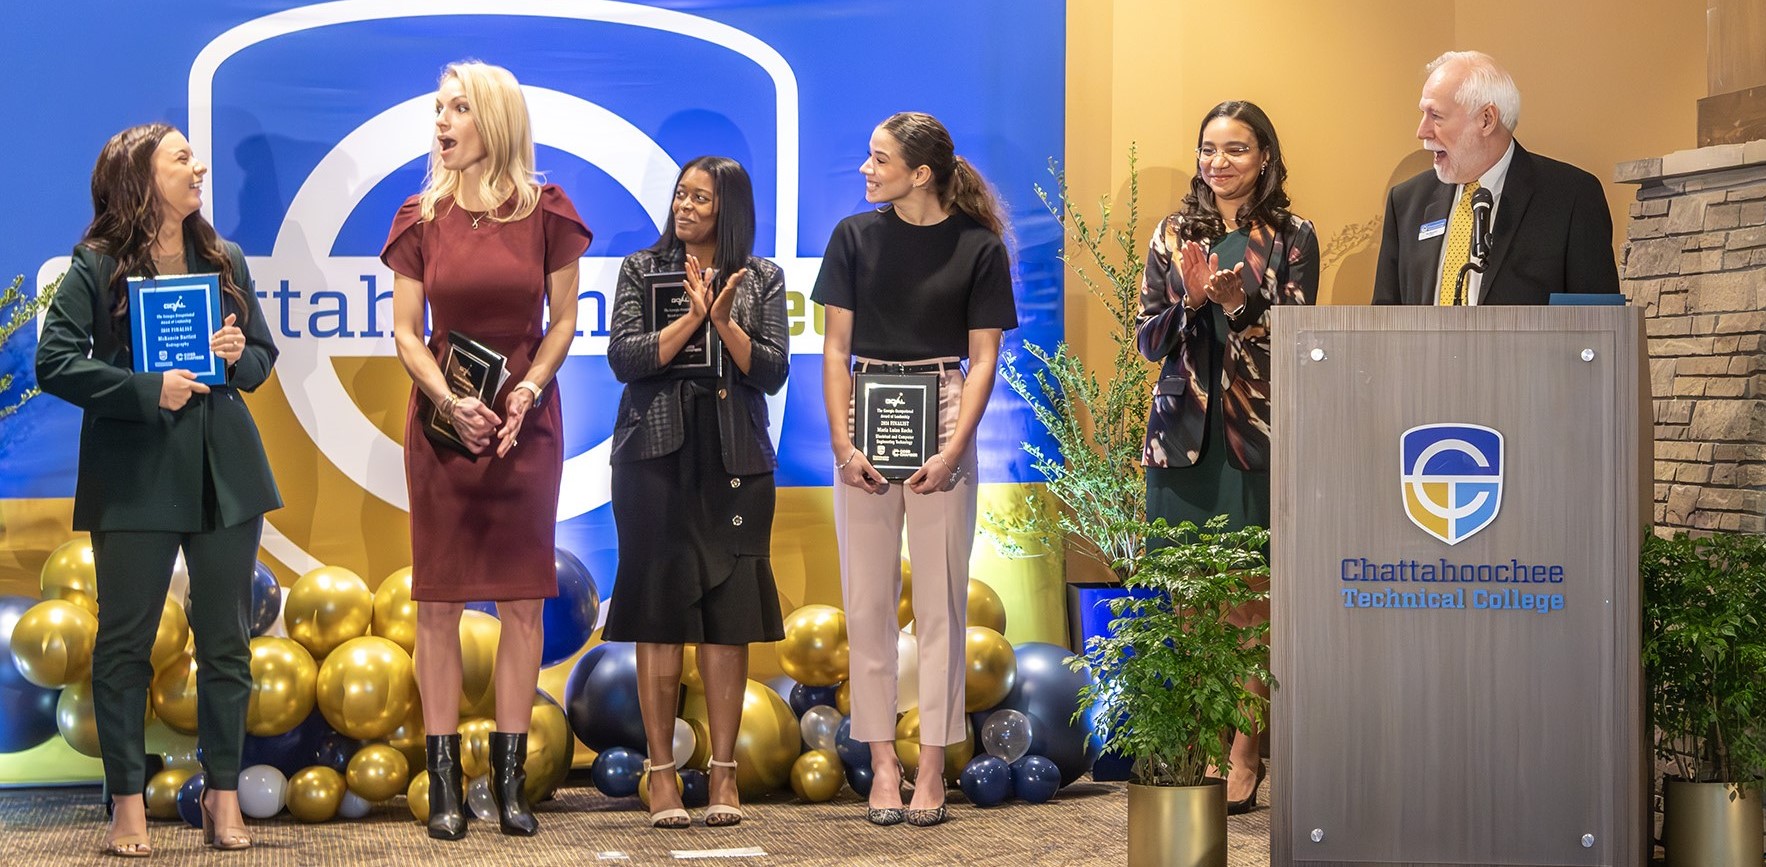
1196 266
1227 288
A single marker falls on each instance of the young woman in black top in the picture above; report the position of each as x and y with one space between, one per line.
914 286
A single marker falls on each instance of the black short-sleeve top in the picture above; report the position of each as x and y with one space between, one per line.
916 291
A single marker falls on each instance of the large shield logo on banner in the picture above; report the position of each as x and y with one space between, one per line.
1451 478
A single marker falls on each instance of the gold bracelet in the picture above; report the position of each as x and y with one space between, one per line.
954 469
842 464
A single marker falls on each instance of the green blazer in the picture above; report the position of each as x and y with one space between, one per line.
142 468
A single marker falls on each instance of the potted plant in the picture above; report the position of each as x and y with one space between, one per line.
1704 664
1169 679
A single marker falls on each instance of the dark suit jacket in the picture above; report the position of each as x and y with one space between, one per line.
1553 233
1281 267
141 467
651 422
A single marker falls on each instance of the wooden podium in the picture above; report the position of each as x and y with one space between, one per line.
1459 495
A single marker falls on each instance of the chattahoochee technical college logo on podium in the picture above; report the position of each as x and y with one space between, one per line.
1452 478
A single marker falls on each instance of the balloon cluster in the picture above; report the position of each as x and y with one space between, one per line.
797 732
334 723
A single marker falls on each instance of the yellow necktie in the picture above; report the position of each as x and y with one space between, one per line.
1459 245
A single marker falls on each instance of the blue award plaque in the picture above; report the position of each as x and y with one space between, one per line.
173 316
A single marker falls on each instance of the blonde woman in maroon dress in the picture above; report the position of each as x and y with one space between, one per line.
488 251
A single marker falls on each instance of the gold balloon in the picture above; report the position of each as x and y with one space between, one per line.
68 574
395 613
408 737
550 748
417 797
814 651
986 608
75 720
479 633
283 677
843 698
173 636
644 787
907 746
701 758
174 694
327 607
162 792
475 746
365 687
52 643
990 668
377 772
904 607
690 668
315 793
816 776
768 740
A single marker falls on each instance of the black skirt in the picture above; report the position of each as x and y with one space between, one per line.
695 564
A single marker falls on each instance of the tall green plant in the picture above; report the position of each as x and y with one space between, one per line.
1169 678
1098 427
1704 654
19 310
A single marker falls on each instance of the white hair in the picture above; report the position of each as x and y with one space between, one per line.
1485 84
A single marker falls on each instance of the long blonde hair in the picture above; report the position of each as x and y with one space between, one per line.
500 113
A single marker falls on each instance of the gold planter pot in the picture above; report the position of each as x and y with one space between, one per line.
1177 826
1705 824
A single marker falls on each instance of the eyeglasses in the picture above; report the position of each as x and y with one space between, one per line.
1233 152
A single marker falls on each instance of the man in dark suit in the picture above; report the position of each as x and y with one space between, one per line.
1551 229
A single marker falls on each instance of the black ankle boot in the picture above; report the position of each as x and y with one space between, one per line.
509 783
447 821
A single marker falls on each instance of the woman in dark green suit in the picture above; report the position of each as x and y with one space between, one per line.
166 463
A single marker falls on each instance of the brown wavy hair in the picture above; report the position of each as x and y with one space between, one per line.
925 142
126 217
1268 204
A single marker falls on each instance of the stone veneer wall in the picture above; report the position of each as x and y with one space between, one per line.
1695 258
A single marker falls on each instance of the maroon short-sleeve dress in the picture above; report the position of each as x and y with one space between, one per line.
484 530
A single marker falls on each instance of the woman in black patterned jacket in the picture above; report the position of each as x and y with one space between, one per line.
693 470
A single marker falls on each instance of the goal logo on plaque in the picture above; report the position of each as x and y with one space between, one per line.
1452 478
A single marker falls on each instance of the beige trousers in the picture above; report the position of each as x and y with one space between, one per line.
940 535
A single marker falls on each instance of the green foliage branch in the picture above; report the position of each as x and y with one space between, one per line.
18 310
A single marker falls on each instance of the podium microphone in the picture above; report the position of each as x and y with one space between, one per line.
1482 204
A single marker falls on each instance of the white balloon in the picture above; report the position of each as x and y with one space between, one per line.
478 797
279 629
263 791
180 587
685 743
1006 734
354 806
820 724
907 671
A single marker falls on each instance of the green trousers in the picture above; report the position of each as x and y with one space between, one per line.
134 572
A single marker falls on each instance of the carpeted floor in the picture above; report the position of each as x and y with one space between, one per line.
1084 824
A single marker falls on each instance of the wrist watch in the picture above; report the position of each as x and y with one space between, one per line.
531 388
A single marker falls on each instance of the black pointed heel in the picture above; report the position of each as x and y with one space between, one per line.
447 791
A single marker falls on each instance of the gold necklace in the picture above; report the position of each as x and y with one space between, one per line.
484 216
176 260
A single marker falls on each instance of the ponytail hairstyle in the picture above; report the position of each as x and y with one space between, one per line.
500 112
126 213
925 142
1268 205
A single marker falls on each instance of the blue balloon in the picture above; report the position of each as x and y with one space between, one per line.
783 684
695 788
11 609
1035 779
1047 691
1112 767
334 751
852 753
570 616
190 799
802 698
859 778
601 698
986 781
616 771
290 751
27 714
486 607
266 600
